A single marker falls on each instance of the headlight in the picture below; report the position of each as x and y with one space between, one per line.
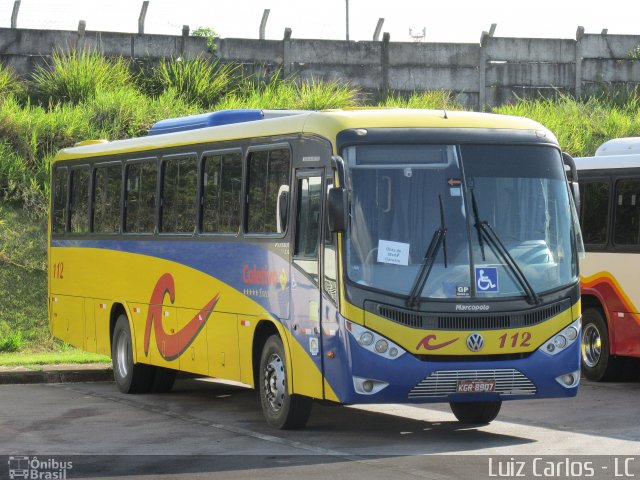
374 342
563 339
366 339
382 346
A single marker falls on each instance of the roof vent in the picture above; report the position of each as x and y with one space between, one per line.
216 119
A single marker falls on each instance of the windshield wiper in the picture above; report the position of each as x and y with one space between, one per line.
485 228
474 205
437 240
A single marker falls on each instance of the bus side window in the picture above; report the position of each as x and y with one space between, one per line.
626 230
221 192
79 202
106 198
595 211
59 221
178 198
140 197
268 171
308 225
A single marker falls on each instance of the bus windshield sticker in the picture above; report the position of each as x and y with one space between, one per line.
393 252
313 346
487 279
455 191
463 291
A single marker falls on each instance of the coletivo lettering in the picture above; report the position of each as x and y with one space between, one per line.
262 276
472 308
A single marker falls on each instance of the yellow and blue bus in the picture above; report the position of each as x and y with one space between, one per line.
350 256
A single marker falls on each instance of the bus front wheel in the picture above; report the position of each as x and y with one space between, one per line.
129 377
597 362
281 409
475 412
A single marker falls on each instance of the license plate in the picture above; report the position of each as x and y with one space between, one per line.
476 386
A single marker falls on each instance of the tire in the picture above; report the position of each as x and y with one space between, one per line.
280 409
163 380
596 360
129 377
475 412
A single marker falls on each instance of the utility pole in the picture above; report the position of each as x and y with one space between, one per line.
347 15
14 14
263 23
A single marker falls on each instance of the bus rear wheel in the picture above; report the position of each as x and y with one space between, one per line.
475 412
280 408
129 377
597 362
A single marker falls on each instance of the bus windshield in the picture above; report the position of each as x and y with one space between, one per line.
455 222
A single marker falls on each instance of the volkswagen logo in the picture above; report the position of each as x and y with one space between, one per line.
475 342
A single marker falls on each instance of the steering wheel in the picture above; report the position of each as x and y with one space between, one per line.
368 259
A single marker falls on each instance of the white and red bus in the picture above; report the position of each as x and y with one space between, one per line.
610 219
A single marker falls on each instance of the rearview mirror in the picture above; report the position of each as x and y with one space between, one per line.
337 209
282 208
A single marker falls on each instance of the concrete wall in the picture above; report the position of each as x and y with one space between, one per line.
491 72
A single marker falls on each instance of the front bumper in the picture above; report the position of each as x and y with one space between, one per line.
408 379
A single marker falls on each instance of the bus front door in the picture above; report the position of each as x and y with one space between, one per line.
306 302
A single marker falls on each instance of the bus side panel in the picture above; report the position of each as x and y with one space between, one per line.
307 377
160 347
195 358
102 319
246 331
89 325
223 351
166 297
67 319
608 278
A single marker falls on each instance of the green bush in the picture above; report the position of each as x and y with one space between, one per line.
76 77
10 84
318 95
198 81
29 137
258 92
210 34
430 100
10 341
280 92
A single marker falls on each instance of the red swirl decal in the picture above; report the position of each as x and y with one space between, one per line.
174 344
427 345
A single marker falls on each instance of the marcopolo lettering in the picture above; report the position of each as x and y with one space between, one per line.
472 308
262 276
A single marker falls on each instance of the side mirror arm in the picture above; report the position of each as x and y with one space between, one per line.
572 178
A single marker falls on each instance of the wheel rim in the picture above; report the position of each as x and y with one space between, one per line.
122 355
591 345
274 382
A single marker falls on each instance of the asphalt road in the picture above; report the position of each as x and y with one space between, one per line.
205 429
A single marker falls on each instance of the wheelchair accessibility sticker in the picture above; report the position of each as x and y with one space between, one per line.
487 279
